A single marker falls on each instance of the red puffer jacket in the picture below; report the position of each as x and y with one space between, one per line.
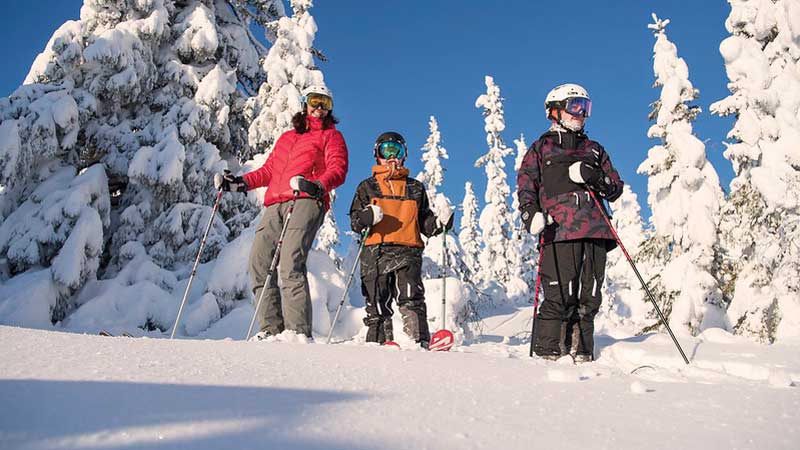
319 155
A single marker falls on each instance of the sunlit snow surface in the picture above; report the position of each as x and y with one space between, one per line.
74 391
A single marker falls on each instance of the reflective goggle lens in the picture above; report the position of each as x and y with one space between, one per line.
579 106
389 150
319 101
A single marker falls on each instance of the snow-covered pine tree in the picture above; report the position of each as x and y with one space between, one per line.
760 229
627 221
495 219
625 300
432 176
108 152
290 67
328 235
685 198
469 235
522 253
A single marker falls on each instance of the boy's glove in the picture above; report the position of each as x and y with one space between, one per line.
369 216
228 182
444 226
313 188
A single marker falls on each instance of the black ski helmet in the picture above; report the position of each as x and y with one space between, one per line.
389 136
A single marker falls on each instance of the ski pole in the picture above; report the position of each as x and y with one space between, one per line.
273 266
349 280
196 262
641 280
444 277
536 290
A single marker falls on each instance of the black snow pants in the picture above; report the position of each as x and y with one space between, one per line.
572 278
404 287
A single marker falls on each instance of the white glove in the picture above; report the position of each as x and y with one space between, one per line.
377 213
294 182
446 214
537 223
575 173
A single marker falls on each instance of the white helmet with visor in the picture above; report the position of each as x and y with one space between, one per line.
571 98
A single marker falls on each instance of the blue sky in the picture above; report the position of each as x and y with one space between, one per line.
393 64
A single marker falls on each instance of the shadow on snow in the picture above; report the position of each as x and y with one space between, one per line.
121 415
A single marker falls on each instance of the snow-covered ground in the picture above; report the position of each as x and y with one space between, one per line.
75 391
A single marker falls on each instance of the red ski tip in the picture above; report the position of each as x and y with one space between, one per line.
391 344
441 341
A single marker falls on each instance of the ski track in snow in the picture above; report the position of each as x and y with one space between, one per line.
73 391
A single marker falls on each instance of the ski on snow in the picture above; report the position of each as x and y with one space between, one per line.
109 334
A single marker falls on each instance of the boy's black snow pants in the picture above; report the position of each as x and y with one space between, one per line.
403 286
572 278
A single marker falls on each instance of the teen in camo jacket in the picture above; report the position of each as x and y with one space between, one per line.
553 188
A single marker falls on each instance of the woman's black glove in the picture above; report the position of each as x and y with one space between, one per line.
314 189
226 181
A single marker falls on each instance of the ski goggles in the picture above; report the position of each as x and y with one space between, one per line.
319 101
578 106
391 149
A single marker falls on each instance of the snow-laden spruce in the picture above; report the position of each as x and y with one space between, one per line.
495 219
134 97
684 197
625 303
108 153
328 234
432 176
290 67
469 235
53 243
523 255
760 230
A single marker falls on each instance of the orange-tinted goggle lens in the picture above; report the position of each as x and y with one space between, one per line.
319 101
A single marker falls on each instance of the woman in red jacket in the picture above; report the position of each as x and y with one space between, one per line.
309 160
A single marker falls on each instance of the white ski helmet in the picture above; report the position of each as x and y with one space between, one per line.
558 96
320 89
